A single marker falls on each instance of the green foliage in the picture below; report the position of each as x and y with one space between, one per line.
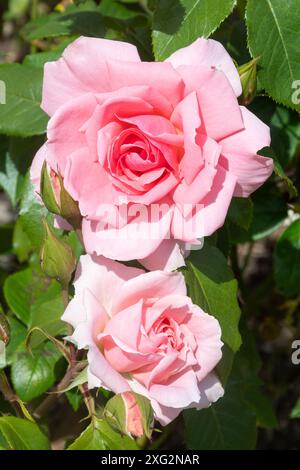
22 115
178 23
287 260
212 286
231 422
223 278
295 413
33 372
100 436
273 34
83 20
21 434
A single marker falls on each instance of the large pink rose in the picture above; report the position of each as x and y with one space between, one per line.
144 334
135 136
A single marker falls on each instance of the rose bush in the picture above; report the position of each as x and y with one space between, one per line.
129 136
144 334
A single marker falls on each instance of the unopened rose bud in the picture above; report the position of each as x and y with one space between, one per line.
57 199
57 258
130 413
4 329
248 76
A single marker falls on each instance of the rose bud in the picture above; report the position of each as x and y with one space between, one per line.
248 76
57 199
57 258
130 413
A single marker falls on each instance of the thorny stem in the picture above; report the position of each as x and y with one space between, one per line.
8 393
72 369
88 400
47 404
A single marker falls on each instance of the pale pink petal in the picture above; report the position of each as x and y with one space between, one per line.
178 391
85 67
168 256
211 390
36 168
64 135
103 277
136 240
240 155
93 189
186 117
79 69
216 99
153 285
207 332
216 204
210 53
109 377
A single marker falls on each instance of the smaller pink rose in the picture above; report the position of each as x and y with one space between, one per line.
145 335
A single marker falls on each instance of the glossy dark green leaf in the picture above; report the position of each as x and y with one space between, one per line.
241 212
21 115
21 434
33 372
99 436
83 20
212 286
274 34
22 289
287 260
46 313
178 23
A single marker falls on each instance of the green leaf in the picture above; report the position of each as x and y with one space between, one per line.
33 373
39 59
80 379
212 286
46 313
30 215
99 436
16 344
241 212
83 20
279 171
22 289
230 423
246 369
269 211
178 23
115 9
74 398
21 434
9 178
274 34
295 413
227 425
21 115
5 238
21 242
287 260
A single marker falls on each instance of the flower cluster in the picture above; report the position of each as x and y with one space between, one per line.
152 153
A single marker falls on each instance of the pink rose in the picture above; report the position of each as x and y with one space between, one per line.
145 335
136 135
